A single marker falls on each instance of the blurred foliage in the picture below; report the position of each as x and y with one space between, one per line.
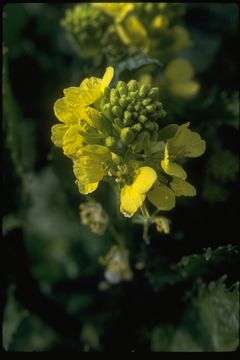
209 323
55 297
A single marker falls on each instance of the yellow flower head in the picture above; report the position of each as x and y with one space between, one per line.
114 133
75 111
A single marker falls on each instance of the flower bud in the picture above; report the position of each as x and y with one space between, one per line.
147 101
127 118
139 143
127 135
142 119
137 127
117 110
151 108
149 125
144 90
122 88
132 85
124 103
153 93
110 141
118 122
106 110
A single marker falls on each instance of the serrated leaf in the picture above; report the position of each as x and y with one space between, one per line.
133 63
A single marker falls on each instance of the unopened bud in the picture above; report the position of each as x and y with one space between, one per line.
127 118
153 93
144 90
117 110
142 119
137 127
147 101
127 135
132 85
122 88
110 141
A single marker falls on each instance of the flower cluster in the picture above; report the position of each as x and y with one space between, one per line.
113 30
116 134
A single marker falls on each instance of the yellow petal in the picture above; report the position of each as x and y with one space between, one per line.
90 90
72 141
173 169
135 30
162 197
87 189
184 90
73 95
130 201
58 132
64 112
186 143
144 179
107 78
117 10
97 153
88 171
182 188
93 118
133 196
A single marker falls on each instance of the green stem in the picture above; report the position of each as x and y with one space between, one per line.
117 237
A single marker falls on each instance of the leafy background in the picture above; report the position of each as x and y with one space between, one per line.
186 298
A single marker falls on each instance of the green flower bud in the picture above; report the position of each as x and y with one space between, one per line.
142 119
151 108
110 141
147 101
118 122
141 140
137 127
117 110
124 103
127 118
135 115
106 110
132 85
144 90
137 107
127 135
114 97
130 107
133 94
149 125
122 88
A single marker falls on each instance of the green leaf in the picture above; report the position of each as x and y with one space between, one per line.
12 318
210 322
132 63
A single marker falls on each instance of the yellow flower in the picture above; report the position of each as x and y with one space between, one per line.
91 166
178 78
185 143
74 109
116 10
132 196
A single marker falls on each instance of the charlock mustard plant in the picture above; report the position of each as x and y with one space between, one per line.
116 133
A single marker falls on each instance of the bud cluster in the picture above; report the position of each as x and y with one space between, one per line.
134 111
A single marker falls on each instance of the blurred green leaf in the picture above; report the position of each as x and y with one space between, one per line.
210 322
12 318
